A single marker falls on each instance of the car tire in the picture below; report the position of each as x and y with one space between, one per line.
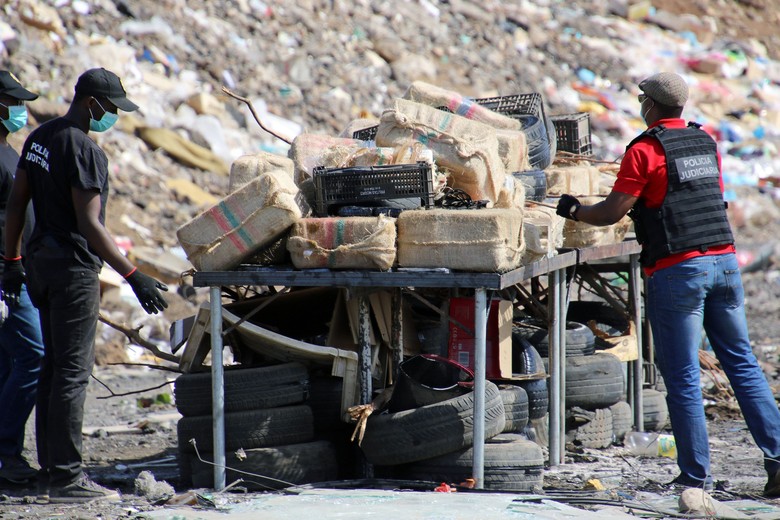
272 468
655 411
249 429
538 397
580 340
431 430
515 401
593 382
245 389
622 421
535 182
589 429
511 463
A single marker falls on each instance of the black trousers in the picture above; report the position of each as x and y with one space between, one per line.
67 295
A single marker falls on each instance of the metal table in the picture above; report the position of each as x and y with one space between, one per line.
554 268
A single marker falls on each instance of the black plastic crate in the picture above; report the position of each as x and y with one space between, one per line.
516 104
573 133
367 134
344 186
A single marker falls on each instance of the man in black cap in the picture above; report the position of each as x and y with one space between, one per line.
670 180
65 174
21 345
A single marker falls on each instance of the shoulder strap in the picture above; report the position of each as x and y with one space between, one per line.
652 132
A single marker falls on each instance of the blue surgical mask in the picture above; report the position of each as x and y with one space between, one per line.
104 123
643 113
17 117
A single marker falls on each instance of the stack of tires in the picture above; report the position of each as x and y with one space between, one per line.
594 383
606 319
527 362
269 429
435 442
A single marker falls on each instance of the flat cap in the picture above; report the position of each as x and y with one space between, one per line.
666 88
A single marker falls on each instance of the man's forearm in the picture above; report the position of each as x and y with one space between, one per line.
101 242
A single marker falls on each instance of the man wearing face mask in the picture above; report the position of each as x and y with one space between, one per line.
65 175
671 181
21 346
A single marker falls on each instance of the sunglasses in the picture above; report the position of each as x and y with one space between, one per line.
642 97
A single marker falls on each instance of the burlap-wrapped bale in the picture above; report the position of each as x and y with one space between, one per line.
311 150
434 96
512 194
467 149
579 180
579 234
356 125
343 243
607 179
543 232
513 150
250 166
379 156
233 230
483 240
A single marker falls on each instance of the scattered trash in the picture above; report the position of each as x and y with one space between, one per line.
651 444
155 492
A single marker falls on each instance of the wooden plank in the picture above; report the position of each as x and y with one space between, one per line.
198 342
382 310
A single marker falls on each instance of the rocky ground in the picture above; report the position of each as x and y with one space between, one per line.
319 64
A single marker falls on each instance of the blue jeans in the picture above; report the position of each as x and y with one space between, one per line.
681 299
67 295
21 352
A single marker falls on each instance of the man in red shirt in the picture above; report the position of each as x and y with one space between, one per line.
670 182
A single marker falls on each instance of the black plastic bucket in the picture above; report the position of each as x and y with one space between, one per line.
428 379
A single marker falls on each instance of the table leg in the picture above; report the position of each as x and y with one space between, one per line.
555 353
396 333
480 341
637 378
217 389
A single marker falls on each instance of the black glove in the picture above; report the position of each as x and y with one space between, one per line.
147 290
568 207
13 278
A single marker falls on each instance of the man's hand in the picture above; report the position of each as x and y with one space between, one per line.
568 207
147 290
13 279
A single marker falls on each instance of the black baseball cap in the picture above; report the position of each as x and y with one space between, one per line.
10 86
104 83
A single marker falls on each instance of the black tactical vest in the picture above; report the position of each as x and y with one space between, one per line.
693 213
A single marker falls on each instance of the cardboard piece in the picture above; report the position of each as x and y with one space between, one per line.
624 347
498 347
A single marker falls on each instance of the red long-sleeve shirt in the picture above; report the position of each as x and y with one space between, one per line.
643 174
